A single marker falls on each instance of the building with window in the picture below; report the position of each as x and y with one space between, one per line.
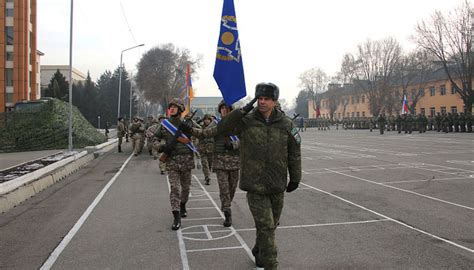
205 105
351 100
47 73
18 52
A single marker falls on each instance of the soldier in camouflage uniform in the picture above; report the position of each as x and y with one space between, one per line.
120 133
137 131
149 139
226 162
206 149
179 162
157 148
469 119
270 149
381 123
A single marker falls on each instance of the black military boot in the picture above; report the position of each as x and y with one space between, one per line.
228 218
183 211
120 149
255 253
207 179
177 221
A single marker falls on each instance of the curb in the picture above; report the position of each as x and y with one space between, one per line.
14 192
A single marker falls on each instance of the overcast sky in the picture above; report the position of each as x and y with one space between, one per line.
280 39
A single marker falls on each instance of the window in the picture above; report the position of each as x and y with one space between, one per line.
432 111
363 114
9 12
432 91
9 35
421 92
353 114
442 90
9 97
454 109
453 89
363 99
422 111
358 114
9 56
443 110
9 76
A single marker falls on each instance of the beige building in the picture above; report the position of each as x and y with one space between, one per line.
47 72
434 95
18 52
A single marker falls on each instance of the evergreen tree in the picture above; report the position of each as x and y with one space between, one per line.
58 87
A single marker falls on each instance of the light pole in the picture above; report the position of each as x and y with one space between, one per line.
131 94
98 121
120 77
70 82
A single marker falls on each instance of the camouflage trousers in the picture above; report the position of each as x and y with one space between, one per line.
228 181
180 182
162 166
149 145
119 141
206 162
137 143
266 211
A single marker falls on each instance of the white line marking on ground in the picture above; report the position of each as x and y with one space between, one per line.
182 246
194 219
213 249
237 235
404 190
391 219
60 248
429 180
321 224
199 208
197 200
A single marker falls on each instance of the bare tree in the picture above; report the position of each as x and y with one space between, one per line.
349 69
314 81
449 38
162 73
376 65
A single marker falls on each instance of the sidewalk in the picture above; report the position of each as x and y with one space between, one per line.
8 160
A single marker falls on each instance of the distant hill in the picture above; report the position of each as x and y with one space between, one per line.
44 125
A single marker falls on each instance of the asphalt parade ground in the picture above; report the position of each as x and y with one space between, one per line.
366 201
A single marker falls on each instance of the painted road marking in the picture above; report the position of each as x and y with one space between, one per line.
60 248
404 190
391 219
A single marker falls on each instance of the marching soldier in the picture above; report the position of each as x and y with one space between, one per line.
149 139
136 133
206 149
178 155
120 133
226 162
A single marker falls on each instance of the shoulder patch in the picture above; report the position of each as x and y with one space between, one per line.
296 135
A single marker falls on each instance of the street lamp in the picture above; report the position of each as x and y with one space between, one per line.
98 121
131 94
120 77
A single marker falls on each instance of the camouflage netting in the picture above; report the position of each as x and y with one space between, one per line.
45 126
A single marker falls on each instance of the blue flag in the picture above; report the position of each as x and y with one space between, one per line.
229 70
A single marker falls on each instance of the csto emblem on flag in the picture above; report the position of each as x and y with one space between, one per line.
228 47
229 69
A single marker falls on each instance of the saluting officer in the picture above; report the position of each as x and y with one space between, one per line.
269 151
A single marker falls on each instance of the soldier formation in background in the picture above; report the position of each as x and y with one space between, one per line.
401 123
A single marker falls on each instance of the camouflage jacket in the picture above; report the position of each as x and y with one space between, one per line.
163 133
206 144
121 129
224 159
268 151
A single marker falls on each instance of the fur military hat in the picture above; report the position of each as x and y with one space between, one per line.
267 90
178 103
